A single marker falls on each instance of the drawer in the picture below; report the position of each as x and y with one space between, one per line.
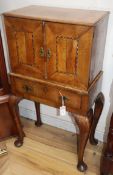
44 93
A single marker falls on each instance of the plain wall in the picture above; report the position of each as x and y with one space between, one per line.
49 114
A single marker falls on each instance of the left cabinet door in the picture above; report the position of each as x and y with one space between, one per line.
25 42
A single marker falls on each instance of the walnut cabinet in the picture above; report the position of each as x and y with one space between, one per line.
56 51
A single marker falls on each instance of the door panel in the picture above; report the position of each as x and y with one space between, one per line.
70 47
25 39
66 54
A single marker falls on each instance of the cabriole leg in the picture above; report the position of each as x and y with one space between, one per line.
13 107
37 107
99 103
84 124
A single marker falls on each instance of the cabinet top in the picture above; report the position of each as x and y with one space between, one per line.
55 14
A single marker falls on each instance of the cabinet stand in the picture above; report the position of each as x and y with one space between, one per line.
87 125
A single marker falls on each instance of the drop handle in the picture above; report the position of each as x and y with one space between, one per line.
49 53
27 89
41 52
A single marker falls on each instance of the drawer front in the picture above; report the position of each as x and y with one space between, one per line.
44 93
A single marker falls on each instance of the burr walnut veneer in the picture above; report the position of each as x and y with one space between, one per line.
56 51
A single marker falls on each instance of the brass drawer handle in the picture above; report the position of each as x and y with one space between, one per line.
27 89
41 52
49 53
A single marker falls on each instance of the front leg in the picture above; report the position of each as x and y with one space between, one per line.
38 121
13 107
84 124
99 103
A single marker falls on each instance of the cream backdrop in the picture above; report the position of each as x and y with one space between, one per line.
50 115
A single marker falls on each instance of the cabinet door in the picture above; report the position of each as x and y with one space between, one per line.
25 41
68 53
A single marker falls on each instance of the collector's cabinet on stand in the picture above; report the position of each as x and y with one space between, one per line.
56 51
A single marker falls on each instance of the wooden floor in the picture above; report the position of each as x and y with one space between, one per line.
47 151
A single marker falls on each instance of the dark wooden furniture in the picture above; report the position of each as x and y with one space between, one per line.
107 157
9 117
4 86
56 51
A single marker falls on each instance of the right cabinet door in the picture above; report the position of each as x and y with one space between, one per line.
68 53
